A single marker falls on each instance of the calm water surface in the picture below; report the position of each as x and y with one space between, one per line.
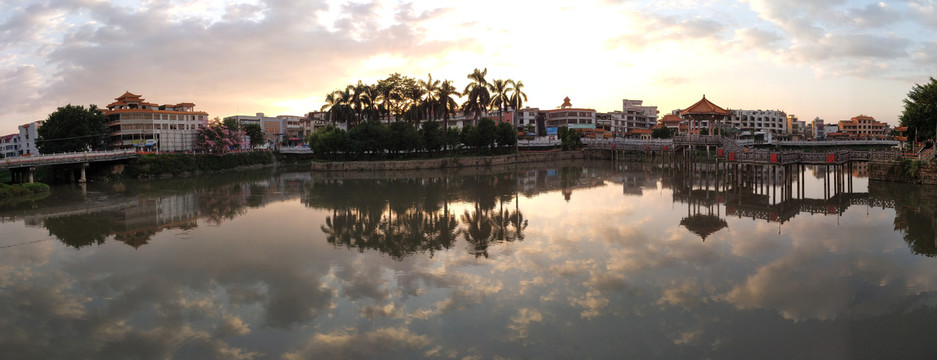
577 260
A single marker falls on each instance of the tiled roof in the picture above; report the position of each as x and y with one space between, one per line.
704 107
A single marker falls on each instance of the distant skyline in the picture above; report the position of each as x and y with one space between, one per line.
832 59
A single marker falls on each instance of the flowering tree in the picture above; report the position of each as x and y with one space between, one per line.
217 138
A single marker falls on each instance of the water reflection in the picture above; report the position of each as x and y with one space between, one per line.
591 260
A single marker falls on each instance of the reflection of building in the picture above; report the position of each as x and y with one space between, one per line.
133 122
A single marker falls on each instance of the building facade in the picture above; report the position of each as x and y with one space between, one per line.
133 122
863 127
773 121
572 118
10 145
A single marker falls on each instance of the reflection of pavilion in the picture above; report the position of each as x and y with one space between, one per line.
772 194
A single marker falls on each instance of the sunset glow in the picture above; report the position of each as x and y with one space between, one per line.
827 59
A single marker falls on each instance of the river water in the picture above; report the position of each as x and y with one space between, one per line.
574 260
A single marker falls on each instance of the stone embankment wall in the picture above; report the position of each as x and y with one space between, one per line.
449 163
926 173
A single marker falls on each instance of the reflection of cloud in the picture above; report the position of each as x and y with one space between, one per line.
592 303
685 293
352 345
521 321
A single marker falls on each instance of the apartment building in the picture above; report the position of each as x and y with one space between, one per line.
133 122
863 127
567 115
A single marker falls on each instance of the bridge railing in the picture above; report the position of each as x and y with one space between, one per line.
44 159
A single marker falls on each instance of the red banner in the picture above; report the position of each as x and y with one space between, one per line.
731 156
830 158
774 157
665 147
719 152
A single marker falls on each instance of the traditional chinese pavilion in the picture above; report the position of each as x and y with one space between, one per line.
704 111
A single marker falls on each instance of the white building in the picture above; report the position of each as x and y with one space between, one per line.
572 118
773 121
819 129
27 137
637 115
10 145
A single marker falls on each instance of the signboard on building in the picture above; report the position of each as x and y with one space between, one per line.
551 131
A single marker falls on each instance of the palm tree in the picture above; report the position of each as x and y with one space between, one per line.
429 91
477 93
446 103
518 97
500 89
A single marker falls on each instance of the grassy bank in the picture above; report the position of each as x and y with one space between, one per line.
8 191
153 165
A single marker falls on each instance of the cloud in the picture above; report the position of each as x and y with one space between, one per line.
249 54
355 345
924 12
874 15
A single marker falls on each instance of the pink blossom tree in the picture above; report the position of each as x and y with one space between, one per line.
217 138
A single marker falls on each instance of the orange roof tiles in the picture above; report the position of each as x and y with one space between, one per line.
704 107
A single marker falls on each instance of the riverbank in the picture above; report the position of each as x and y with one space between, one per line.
450 163
904 171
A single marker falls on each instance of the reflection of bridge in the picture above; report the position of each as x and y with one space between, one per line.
22 166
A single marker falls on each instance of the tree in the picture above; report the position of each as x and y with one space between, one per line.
477 94
429 87
920 111
447 104
403 137
500 99
662 132
72 128
486 132
506 134
432 134
216 138
255 133
327 140
518 97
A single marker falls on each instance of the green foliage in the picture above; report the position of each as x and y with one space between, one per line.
328 140
487 132
7 191
506 134
662 132
910 167
431 133
176 164
571 140
920 111
403 137
72 128
469 136
255 133
369 137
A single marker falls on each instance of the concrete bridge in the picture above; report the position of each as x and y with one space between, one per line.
22 166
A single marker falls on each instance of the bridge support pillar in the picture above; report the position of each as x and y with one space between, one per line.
31 177
83 178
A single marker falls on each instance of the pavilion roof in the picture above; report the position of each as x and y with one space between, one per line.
704 225
704 107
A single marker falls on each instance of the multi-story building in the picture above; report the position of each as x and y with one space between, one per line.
27 137
277 130
773 121
10 145
573 118
637 115
133 122
819 129
863 127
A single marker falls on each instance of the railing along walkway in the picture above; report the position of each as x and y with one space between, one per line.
66 158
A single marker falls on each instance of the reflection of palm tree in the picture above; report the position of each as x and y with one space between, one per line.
478 231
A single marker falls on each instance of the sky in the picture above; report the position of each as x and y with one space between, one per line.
831 59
